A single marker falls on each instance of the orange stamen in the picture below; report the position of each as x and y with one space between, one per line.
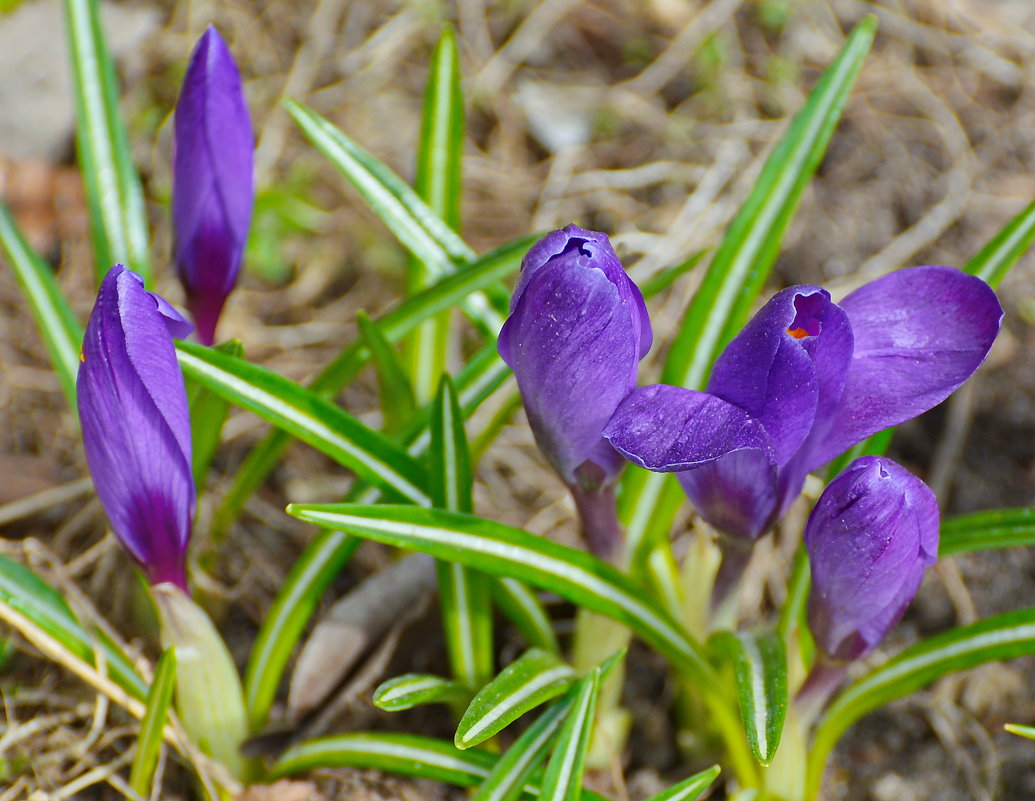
798 333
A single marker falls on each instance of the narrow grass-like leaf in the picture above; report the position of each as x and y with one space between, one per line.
793 609
690 788
521 606
415 689
1028 732
563 778
287 618
512 553
397 402
149 741
207 414
439 183
665 278
489 370
61 332
738 271
1003 251
402 754
118 218
510 774
1002 637
986 531
28 594
307 416
760 669
534 678
463 593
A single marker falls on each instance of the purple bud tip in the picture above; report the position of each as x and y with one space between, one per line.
136 429
576 332
870 537
212 180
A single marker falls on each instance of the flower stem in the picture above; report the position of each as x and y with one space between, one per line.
598 516
823 680
735 558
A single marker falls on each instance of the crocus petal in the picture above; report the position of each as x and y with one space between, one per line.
870 537
737 493
136 428
919 334
573 347
212 179
668 429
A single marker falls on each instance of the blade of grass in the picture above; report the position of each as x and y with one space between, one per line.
287 618
416 689
563 778
521 606
207 414
149 741
397 399
985 531
690 788
439 183
61 332
463 593
118 217
737 273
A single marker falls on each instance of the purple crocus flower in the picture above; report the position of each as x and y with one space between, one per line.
212 180
577 330
870 537
136 429
804 381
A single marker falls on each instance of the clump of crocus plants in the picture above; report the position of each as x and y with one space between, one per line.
757 394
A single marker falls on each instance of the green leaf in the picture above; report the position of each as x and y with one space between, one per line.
307 416
61 332
521 607
665 278
207 414
488 371
1003 251
287 618
510 774
563 778
415 689
149 741
402 754
739 269
991 640
397 403
439 184
760 669
874 445
690 788
986 531
118 217
534 678
1027 732
27 593
495 548
463 593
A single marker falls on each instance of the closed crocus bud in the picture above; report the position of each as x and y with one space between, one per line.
577 330
212 181
135 423
870 537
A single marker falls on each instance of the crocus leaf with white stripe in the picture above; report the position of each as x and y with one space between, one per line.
563 778
401 754
397 402
207 414
415 689
118 216
499 549
55 320
522 607
310 418
988 530
534 678
149 740
28 594
690 788
997 638
394 325
1027 732
738 271
760 669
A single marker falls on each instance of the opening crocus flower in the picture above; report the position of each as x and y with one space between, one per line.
804 381
136 428
870 537
212 180
577 330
